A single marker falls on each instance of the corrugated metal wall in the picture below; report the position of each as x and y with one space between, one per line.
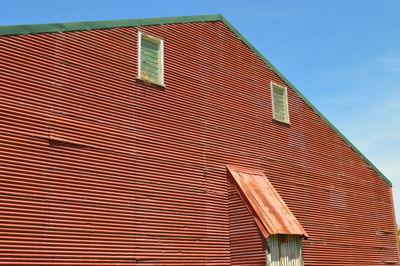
247 242
97 169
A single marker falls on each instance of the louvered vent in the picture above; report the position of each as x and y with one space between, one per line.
280 106
151 61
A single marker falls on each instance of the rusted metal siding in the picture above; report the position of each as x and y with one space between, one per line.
97 169
247 244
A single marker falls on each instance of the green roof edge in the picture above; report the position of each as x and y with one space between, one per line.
102 24
106 24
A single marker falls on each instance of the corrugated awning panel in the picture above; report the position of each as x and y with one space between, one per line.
271 213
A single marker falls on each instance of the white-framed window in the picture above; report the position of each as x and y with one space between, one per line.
150 59
280 107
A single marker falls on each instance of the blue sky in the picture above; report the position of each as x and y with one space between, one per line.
343 55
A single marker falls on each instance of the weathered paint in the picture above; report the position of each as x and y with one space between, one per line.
99 169
269 210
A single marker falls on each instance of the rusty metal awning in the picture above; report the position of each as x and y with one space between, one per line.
270 212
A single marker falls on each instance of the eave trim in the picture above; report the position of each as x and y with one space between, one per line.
102 24
107 24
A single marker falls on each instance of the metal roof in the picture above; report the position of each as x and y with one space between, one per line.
271 213
108 24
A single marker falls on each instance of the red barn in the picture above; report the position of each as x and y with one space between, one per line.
173 141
